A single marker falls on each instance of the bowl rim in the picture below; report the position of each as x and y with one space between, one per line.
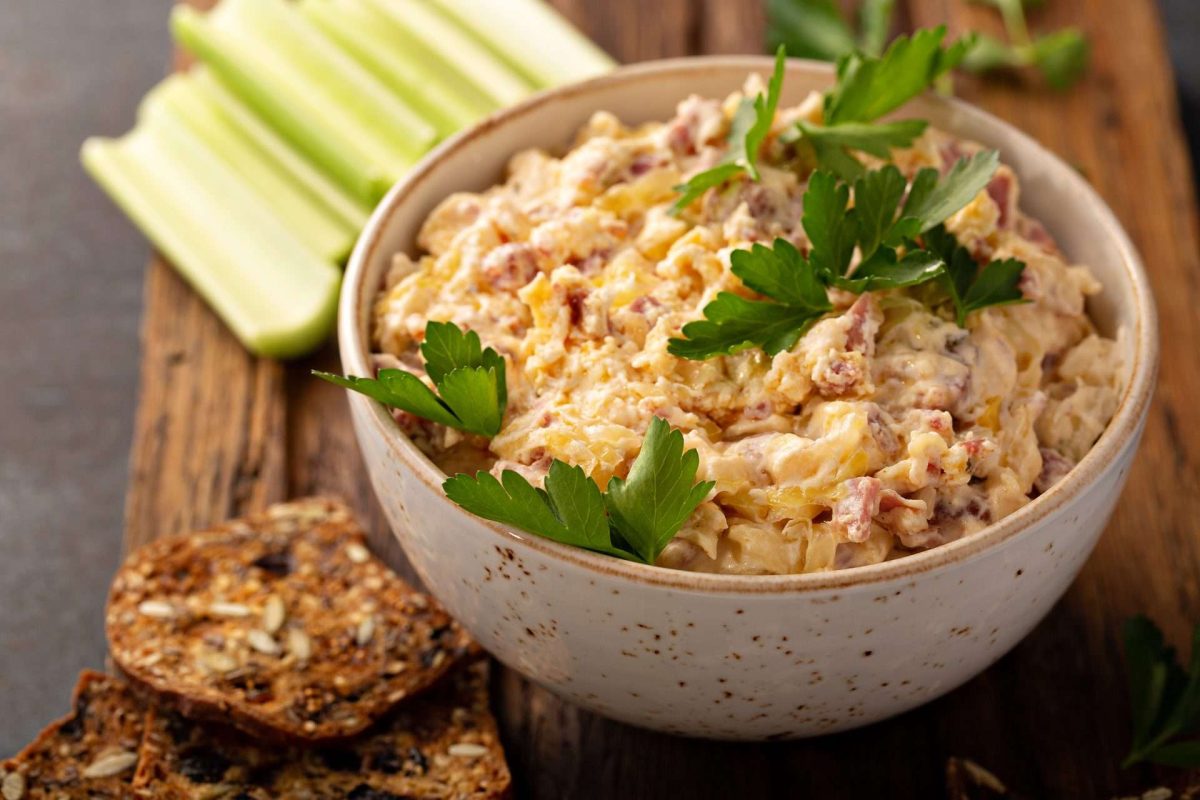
1121 430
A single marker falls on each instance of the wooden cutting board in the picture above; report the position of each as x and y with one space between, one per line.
219 433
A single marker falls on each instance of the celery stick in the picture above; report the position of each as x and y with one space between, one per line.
456 50
329 139
337 201
381 116
532 37
276 296
357 29
176 99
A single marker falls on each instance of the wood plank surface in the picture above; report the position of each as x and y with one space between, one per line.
219 433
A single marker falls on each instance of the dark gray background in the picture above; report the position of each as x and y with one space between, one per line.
70 300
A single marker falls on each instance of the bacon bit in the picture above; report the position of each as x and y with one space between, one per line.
941 397
951 153
839 377
1055 467
864 325
511 266
854 511
643 163
1000 189
575 301
643 304
1034 231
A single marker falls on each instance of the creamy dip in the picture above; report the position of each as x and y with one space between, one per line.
887 429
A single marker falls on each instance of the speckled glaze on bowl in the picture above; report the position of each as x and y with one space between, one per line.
740 657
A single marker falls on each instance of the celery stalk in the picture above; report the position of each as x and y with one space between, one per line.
177 99
276 296
381 116
358 30
531 36
329 139
454 49
336 200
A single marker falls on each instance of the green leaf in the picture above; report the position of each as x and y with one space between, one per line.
998 284
577 501
470 380
732 323
1145 654
877 196
650 506
570 511
447 348
971 288
780 272
877 139
473 394
830 231
884 271
868 88
932 201
701 182
1062 57
808 29
875 19
751 123
398 389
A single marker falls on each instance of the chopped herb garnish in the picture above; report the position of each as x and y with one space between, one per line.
471 388
751 123
869 87
1165 698
900 242
1061 56
634 520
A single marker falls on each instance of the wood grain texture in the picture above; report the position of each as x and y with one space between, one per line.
219 433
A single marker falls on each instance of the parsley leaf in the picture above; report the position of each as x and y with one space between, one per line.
472 391
867 88
635 520
808 29
650 506
971 287
1060 56
933 200
732 323
1165 698
751 123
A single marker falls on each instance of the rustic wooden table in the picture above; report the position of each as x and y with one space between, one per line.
219 433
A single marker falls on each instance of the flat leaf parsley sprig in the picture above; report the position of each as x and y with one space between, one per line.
634 519
1165 697
867 88
472 391
896 230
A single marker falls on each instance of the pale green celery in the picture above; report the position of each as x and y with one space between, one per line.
455 49
531 36
352 212
363 35
314 125
272 291
399 132
177 98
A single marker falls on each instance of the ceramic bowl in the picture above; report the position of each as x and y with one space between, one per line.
743 657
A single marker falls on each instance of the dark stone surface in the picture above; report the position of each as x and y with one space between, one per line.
70 297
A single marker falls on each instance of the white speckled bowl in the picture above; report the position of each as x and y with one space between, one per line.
732 656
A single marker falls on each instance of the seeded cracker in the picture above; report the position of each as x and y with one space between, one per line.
90 753
440 746
282 624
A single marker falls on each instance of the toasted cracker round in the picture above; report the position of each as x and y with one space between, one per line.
282 624
443 745
90 753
